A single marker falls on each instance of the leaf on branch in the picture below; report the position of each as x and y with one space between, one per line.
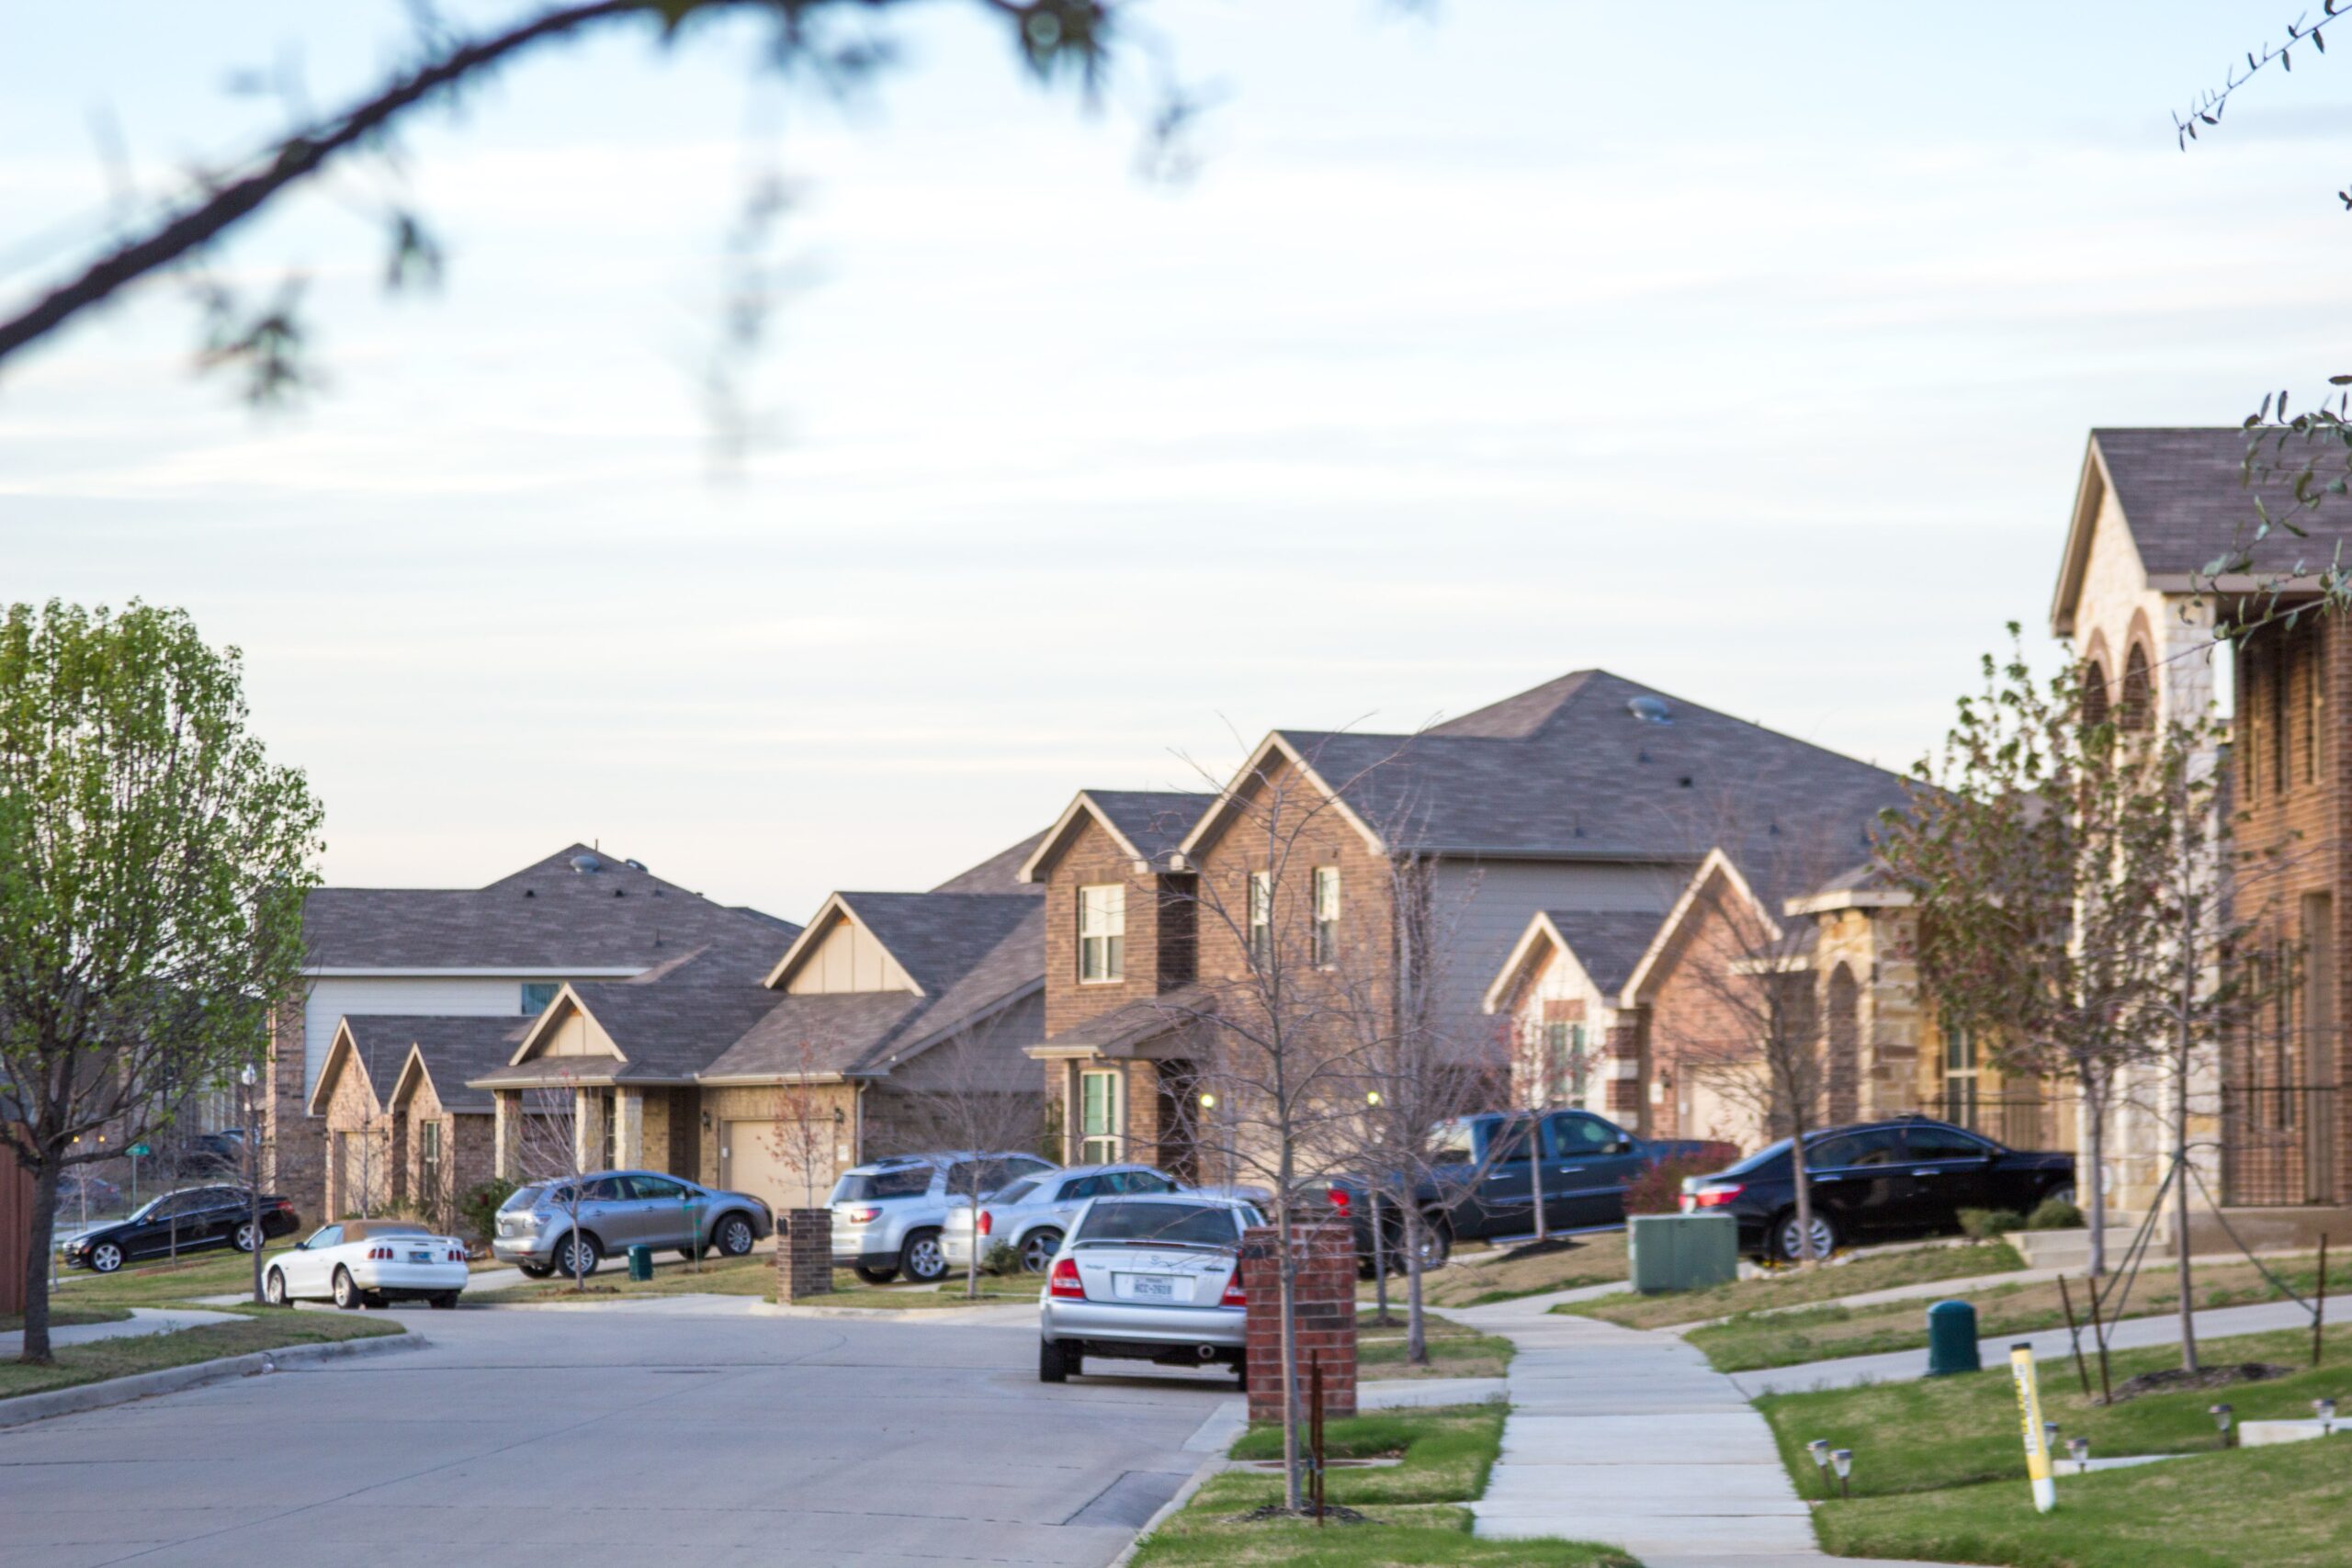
416 257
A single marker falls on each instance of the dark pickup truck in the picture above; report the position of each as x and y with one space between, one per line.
1484 1184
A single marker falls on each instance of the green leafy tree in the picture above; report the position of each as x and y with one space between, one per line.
153 867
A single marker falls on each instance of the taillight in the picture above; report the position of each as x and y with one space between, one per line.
380 1255
864 1216
1064 1285
988 1223
1233 1296
1714 1197
1339 1199
456 1255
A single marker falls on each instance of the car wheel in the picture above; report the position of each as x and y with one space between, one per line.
446 1301
248 1237
1437 1243
1053 1365
346 1289
2059 1194
874 1276
273 1289
535 1271
921 1260
584 1264
1788 1241
734 1236
106 1258
1038 1249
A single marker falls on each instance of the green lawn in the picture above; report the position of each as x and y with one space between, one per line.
2289 1507
66 1317
1414 1507
1791 1338
1799 1287
1454 1351
212 1274
1476 1279
672 1277
120 1357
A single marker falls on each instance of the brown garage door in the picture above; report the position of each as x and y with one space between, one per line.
760 1157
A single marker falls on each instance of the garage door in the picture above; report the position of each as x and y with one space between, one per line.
759 1158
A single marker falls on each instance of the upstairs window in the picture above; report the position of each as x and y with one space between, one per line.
1102 935
537 995
1261 915
2137 710
2095 693
1327 916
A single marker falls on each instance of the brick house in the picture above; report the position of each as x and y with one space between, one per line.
500 950
2153 509
394 1139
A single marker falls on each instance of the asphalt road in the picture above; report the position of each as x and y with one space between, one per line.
662 1437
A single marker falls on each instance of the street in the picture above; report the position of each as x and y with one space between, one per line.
615 1434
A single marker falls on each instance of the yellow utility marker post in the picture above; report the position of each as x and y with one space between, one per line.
2037 1441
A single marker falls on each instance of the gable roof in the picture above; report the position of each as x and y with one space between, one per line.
1000 872
382 1046
449 1053
1605 944
667 1023
1148 825
548 916
2185 500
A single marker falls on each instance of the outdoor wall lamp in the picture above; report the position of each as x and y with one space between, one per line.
2325 1410
2079 1450
1209 1100
1843 1459
1819 1449
2220 1414
706 1120
1372 1097
839 1118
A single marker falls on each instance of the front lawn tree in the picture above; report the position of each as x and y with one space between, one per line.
153 867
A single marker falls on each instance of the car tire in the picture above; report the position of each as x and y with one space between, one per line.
1437 1243
246 1237
591 1255
446 1301
2062 1193
874 1276
1054 1365
921 1260
273 1289
346 1291
1038 1249
106 1258
1784 1242
733 1237
535 1271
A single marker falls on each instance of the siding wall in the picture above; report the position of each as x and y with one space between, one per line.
332 997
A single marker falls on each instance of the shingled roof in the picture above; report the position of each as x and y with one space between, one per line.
578 909
456 1047
1148 824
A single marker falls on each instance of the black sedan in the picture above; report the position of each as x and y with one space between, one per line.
1877 1181
191 1220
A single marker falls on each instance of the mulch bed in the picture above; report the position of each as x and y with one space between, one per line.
1333 1514
2173 1379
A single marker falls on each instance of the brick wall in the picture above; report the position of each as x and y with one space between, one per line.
804 1255
1323 1299
296 1146
1092 858
363 1165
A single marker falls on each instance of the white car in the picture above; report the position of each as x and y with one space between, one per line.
368 1263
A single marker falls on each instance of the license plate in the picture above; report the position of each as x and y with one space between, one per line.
1152 1288
420 1258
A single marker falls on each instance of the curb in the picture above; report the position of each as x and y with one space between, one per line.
1215 1436
891 1314
27 1407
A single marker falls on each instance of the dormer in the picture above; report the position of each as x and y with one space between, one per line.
839 952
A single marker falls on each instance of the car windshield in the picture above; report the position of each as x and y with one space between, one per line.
1159 1224
864 1186
1760 1159
1017 1191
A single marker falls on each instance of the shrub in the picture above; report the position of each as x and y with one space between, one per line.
480 1206
1987 1224
2054 1215
1001 1258
1658 1189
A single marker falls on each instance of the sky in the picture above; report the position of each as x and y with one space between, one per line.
1747 352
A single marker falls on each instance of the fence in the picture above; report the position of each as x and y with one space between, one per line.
2277 1145
2020 1121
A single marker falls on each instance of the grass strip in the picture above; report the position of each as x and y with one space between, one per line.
128 1354
1799 1287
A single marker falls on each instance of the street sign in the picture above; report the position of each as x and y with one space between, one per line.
140 1151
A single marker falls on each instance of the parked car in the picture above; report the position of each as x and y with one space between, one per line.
1876 1180
1033 1215
1483 1184
78 1190
368 1263
1150 1277
888 1214
191 1220
618 1210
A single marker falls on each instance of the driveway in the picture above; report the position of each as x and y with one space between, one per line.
710 1438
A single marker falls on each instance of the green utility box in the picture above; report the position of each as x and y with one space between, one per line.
640 1262
1951 1340
1681 1252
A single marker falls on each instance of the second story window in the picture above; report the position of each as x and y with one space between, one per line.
1261 915
1327 916
1102 935
537 995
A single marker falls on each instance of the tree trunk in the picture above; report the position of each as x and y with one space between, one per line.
1535 1172
1379 1256
2180 1205
2095 1187
1417 1336
1286 1274
1805 1258
40 1244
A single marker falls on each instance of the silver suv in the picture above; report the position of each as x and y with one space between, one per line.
616 1209
887 1213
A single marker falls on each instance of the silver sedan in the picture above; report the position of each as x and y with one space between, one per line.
1148 1279
1033 1215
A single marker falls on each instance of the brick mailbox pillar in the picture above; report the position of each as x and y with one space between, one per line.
1324 1302
804 1255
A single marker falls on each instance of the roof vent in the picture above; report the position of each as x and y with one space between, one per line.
586 864
634 865
1649 710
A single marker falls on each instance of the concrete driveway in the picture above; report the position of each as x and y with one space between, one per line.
677 1437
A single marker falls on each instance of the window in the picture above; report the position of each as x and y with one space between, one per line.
1327 916
1850 1149
1102 935
537 995
1942 1142
1142 1182
1961 1077
428 1161
2095 693
2137 710
866 1187
1573 1136
1261 916
1564 1063
325 1236
1101 1117
1085 1187
1166 1225
2314 704
658 1190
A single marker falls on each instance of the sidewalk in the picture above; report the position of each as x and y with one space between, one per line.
143 1320
1629 1438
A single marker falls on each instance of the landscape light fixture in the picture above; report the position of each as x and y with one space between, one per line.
2050 1436
2079 1450
246 1075
1844 1460
1372 1097
2325 1410
1209 1100
2220 1415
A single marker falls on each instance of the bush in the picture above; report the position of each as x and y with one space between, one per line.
1658 1189
479 1207
2054 1215
1987 1224
1000 1259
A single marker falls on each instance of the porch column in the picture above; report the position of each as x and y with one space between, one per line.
588 1136
503 1104
628 1105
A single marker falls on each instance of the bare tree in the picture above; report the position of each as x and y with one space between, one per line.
974 1093
805 1130
547 1145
